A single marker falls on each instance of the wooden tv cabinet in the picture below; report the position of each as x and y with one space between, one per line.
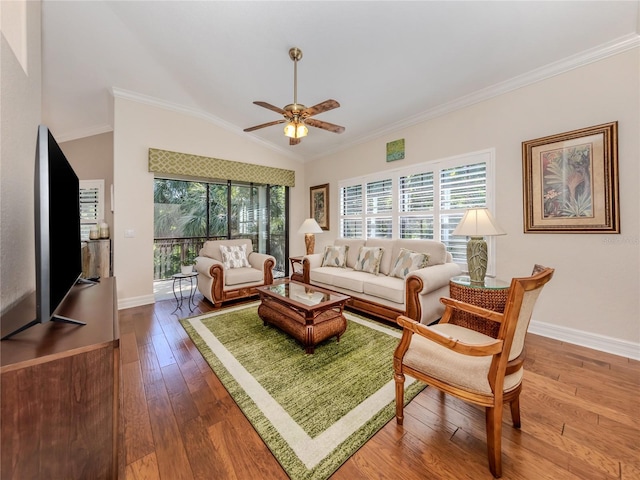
59 404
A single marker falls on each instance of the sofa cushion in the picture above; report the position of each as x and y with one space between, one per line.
335 256
350 279
234 256
236 276
382 286
387 255
369 260
322 275
437 251
407 262
354 245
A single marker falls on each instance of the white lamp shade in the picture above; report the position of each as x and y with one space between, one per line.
310 226
295 130
478 222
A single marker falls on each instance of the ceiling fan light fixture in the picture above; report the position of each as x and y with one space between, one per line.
295 130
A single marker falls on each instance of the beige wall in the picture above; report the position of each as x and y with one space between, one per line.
92 159
20 107
137 127
594 292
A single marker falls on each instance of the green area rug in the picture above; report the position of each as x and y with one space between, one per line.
313 411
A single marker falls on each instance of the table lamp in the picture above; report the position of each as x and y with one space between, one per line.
310 227
476 224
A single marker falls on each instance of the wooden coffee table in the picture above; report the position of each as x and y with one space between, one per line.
307 313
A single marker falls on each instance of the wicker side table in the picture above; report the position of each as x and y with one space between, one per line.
492 295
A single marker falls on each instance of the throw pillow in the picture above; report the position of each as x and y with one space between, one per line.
407 262
369 259
234 256
335 256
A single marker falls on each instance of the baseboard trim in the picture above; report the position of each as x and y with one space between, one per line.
136 301
586 339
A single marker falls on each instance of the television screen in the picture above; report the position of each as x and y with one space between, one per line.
57 225
57 230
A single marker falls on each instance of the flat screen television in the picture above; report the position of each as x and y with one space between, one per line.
57 230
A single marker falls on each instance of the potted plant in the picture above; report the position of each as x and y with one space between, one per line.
188 262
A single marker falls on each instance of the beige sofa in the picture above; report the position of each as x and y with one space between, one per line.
219 282
384 295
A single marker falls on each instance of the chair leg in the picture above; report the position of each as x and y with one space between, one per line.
515 411
399 378
494 439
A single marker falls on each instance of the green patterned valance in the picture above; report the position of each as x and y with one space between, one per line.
164 161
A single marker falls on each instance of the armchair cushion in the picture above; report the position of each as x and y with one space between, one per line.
234 256
408 261
463 371
237 276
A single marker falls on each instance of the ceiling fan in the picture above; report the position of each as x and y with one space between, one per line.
297 116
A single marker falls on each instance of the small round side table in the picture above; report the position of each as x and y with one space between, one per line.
491 295
177 280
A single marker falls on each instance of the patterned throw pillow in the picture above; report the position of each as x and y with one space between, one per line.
369 259
234 256
407 262
335 256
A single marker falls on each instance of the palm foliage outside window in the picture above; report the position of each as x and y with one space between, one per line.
187 213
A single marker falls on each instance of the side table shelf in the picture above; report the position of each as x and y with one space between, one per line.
492 295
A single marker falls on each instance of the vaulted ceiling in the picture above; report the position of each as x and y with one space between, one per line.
389 64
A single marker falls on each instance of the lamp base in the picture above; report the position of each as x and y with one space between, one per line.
309 242
477 259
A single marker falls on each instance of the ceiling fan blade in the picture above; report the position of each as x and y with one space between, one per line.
271 107
294 141
324 125
276 122
321 107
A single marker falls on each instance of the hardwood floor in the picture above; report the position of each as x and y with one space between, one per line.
579 418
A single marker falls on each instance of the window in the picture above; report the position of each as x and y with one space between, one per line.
91 205
187 213
422 201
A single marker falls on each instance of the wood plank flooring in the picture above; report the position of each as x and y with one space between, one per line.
579 412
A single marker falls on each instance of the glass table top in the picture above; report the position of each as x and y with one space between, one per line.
490 283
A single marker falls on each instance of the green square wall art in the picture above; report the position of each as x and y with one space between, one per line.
395 150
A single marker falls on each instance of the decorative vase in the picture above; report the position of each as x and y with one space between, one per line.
94 232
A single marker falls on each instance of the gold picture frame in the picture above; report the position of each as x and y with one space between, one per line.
319 205
570 181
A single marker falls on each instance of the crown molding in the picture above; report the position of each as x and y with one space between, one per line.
174 107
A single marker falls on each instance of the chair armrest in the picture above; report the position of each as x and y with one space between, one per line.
257 260
436 276
452 305
205 264
478 350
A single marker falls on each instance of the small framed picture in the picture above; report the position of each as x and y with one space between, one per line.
320 205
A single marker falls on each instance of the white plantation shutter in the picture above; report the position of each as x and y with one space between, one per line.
461 187
351 211
416 205
91 205
425 201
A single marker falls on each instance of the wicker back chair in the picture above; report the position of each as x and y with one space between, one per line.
469 364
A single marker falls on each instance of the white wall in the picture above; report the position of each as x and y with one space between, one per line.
20 107
137 127
593 298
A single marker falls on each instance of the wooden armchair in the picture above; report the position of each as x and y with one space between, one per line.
470 365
